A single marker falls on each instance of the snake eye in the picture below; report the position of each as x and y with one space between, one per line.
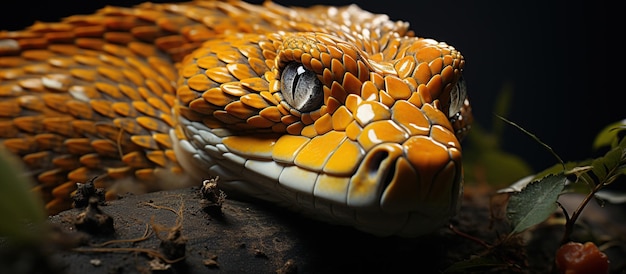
301 88
458 94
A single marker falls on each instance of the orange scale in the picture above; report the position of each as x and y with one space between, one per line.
240 110
136 159
201 106
427 156
260 122
220 75
241 71
144 108
156 86
317 66
345 160
159 104
119 172
410 118
377 79
324 124
57 82
437 117
61 125
315 153
31 124
255 83
37 159
66 161
447 74
199 82
163 139
158 157
129 92
294 128
422 73
405 66
234 89
352 102
369 91
424 94
254 100
91 160
257 65
130 125
381 132
350 64
397 88
338 69
81 174
341 118
190 70
78 146
139 48
325 59
327 77
334 52
62 62
332 104
225 117
308 131
109 89
144 141
363 71
171 155
103 107
252 147
436 66
134 76
287 147
124 108
8 129
34 84
229 55
113 74
279 128
50 141
51 177
272 114
83 127
306 119
444 136
435 86
152 124
186 95
385 98
351 84
369 111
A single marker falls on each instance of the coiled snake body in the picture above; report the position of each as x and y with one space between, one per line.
335 112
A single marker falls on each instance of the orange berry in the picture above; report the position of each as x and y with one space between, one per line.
577 258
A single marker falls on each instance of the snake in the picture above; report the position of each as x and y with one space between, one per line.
342 115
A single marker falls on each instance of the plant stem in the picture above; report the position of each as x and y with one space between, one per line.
569 224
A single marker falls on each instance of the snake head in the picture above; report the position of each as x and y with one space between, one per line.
361 128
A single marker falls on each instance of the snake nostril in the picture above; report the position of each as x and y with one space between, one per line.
380 167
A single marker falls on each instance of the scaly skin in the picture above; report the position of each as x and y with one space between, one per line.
161 96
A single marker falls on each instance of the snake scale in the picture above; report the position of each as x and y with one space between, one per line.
334 112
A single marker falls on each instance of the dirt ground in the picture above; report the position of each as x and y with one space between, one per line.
257 238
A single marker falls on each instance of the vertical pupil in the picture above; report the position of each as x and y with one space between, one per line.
299 71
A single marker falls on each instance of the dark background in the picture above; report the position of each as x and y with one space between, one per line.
564 60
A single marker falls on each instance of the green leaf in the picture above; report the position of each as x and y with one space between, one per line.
19 208
610 135
535 202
